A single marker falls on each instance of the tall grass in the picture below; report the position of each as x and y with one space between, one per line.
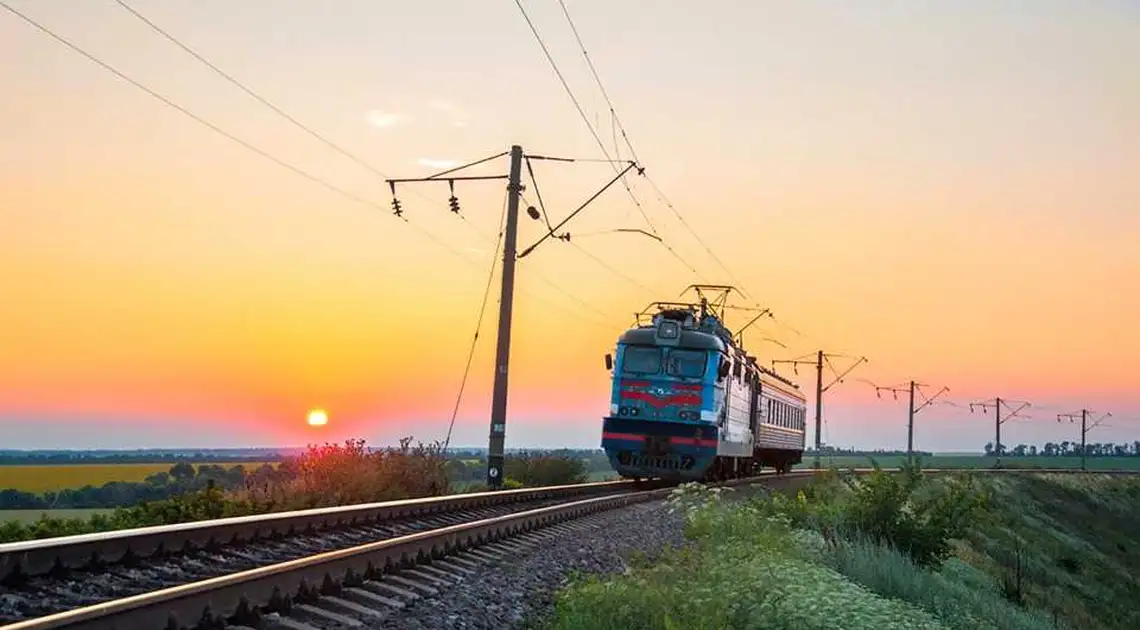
961 596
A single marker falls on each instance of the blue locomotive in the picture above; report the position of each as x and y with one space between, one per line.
689 404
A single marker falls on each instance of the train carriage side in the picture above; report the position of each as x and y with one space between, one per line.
780 434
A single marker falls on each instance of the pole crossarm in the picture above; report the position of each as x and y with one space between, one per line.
930 400
551 231
839 377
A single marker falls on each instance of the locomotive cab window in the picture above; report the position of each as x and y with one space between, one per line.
641 360
685 363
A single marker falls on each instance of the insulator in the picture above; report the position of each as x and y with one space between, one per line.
454 203
396 207
532 212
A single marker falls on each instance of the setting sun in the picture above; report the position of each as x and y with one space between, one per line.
318 417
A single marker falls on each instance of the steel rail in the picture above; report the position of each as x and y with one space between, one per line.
273 587
39 557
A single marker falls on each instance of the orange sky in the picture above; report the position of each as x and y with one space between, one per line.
948 190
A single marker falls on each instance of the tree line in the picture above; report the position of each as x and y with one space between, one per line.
1067 449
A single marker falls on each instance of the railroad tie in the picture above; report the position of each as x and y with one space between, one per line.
386 588
291 624
411 584
376 598
351 606
328 615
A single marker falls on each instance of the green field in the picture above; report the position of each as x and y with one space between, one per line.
976 461
64 476
31 516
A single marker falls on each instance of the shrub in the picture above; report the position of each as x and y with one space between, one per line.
897 510
322 476
545 470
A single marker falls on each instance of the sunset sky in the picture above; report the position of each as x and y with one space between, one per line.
951 189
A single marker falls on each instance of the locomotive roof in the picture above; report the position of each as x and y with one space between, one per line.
693 339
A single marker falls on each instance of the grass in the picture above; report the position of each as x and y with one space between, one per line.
31 516
975 461
1050 551
69 476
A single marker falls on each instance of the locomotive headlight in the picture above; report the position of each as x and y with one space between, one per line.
668 330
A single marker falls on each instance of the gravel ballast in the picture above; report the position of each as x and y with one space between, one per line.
507 594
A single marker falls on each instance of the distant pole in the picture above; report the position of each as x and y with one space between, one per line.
997 432
910 429
1084 431
495 451
818 405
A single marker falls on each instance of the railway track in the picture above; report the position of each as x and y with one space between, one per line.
330 567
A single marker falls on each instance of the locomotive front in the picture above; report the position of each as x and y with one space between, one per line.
664 403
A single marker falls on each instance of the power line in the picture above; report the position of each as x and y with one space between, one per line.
820 388
912 389
478 327
594 132
617 121
1084 415
206 123
248 90
998 404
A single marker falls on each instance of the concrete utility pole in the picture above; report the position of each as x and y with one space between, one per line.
910 426
1084 429
999 420
818 406
820 357
497 439
912 411
496 443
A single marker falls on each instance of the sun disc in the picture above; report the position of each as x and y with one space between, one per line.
318 417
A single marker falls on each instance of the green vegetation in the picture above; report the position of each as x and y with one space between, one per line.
329 475
961 551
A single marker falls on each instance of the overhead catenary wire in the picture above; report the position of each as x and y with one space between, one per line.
597 137
242 86
633 152
269 104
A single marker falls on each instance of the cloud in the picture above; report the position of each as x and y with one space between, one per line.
435 163
458 117
378 118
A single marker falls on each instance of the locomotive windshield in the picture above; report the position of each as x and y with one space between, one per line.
647 360
685 363
641 360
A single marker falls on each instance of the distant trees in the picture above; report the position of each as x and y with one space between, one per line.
835 451
1067 449
182 478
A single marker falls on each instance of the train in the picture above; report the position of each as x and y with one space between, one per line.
688 403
